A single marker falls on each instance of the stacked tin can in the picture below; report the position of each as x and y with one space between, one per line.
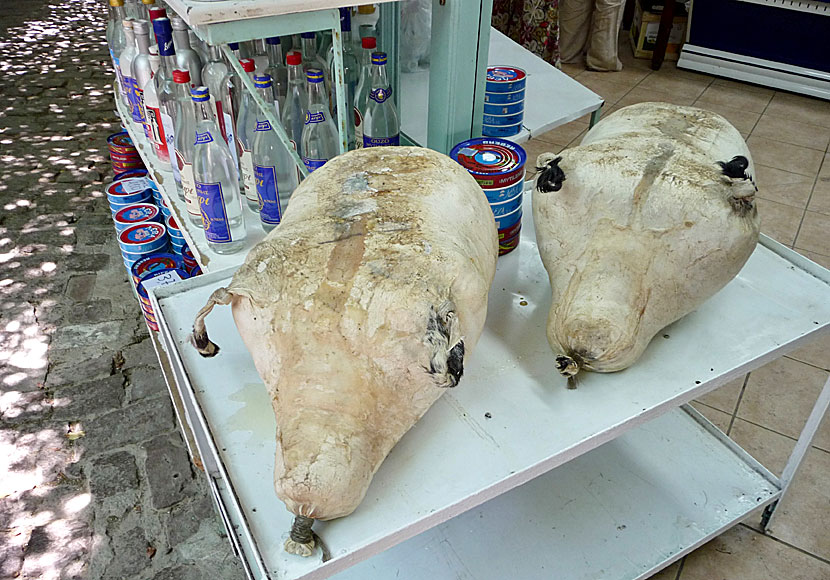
123 154
153 278
498 166
504 101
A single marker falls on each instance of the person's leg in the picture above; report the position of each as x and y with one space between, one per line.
605 28
574 25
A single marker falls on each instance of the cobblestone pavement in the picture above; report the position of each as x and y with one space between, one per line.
95 480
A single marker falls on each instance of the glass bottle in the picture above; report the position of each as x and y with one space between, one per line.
260 56
199 45
133 9
364 86
351 71
125 60
146 6
116 41
217 185
186 58
235 82
245 125
274 169
214 75
277 71
142 71
181 87
381 126
296 102
311 59
148 93
156 12
160 106
185 137
319 133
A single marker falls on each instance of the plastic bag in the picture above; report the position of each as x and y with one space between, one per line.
416 31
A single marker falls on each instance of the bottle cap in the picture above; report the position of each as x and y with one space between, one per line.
369 42
157 12
148 2
248 64
308 35
177 23
162 27
141 27
272 40
262 81
378 58
116 3
199 94
314 75
294 58
346 19
181 76
233 45
366 9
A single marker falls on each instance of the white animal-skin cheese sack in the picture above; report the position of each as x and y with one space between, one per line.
637 226
359 310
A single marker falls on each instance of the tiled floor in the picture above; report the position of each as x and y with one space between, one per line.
788 136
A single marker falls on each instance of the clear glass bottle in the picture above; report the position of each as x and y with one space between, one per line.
146 6
260 56
320 135
276 177
148 89
235 82
142 71
186 58
296 101
364 87
133 9
116 41
215 78
277 71
381 125
184 147
351 71
181 87
199 45
125 60
245 125
217 185
161 104
313 60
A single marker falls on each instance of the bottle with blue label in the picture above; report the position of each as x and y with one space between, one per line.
320 135
161 109
380 124
125 60
217 185
364 86
274 172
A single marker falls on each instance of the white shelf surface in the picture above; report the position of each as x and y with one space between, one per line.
622 511
208 260
202 12
552 98
535 423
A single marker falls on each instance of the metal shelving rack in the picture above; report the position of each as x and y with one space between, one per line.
616 479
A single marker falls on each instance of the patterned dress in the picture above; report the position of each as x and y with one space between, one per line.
532 23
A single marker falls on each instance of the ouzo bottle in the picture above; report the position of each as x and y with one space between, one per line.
245 125
351 71
125 60
296 102
276 177
185 135
320 135
364 87
277 71
186 57
116 41
381 126
217 185
142 71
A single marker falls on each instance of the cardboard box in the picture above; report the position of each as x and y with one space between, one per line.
644 29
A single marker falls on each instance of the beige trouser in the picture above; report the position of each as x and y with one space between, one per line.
592 26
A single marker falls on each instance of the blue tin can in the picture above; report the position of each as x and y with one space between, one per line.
156 261
510 219
136 173
503 193
130 190
136 214
494 163
142 238
502 208
501 130
503 98
504 120
504 79
508 109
